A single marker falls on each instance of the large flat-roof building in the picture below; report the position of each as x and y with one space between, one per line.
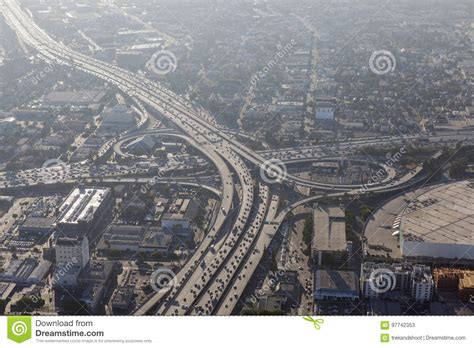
25 271
336 285
438 224
329 242
76 98
116 120
80 211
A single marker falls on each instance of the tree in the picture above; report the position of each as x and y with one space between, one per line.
365 213
28 304
308 235
458 169
114 253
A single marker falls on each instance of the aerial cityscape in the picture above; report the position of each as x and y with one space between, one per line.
237 157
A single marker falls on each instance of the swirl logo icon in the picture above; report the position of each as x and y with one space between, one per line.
162 279
163 62
19 328
382 280
273 170
382 62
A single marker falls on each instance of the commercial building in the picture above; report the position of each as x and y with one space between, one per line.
123 299
325 108
179 217
336 285
72 255
18 271
80 211
131 238
329 244
142 145
74 250
325 112
157 240
95 281
37 225
438 224
116 120
325 168
282 294
76 98
122 237
25 271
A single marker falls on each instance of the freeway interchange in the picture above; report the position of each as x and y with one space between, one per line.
214 277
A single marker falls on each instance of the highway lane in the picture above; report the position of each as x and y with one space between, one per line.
210 295
382 141
229 299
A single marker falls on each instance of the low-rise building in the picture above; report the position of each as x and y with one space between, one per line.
131 238
25 271
123 299
38 226
116 120
336 285
455 280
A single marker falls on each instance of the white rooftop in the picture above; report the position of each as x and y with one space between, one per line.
81 205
